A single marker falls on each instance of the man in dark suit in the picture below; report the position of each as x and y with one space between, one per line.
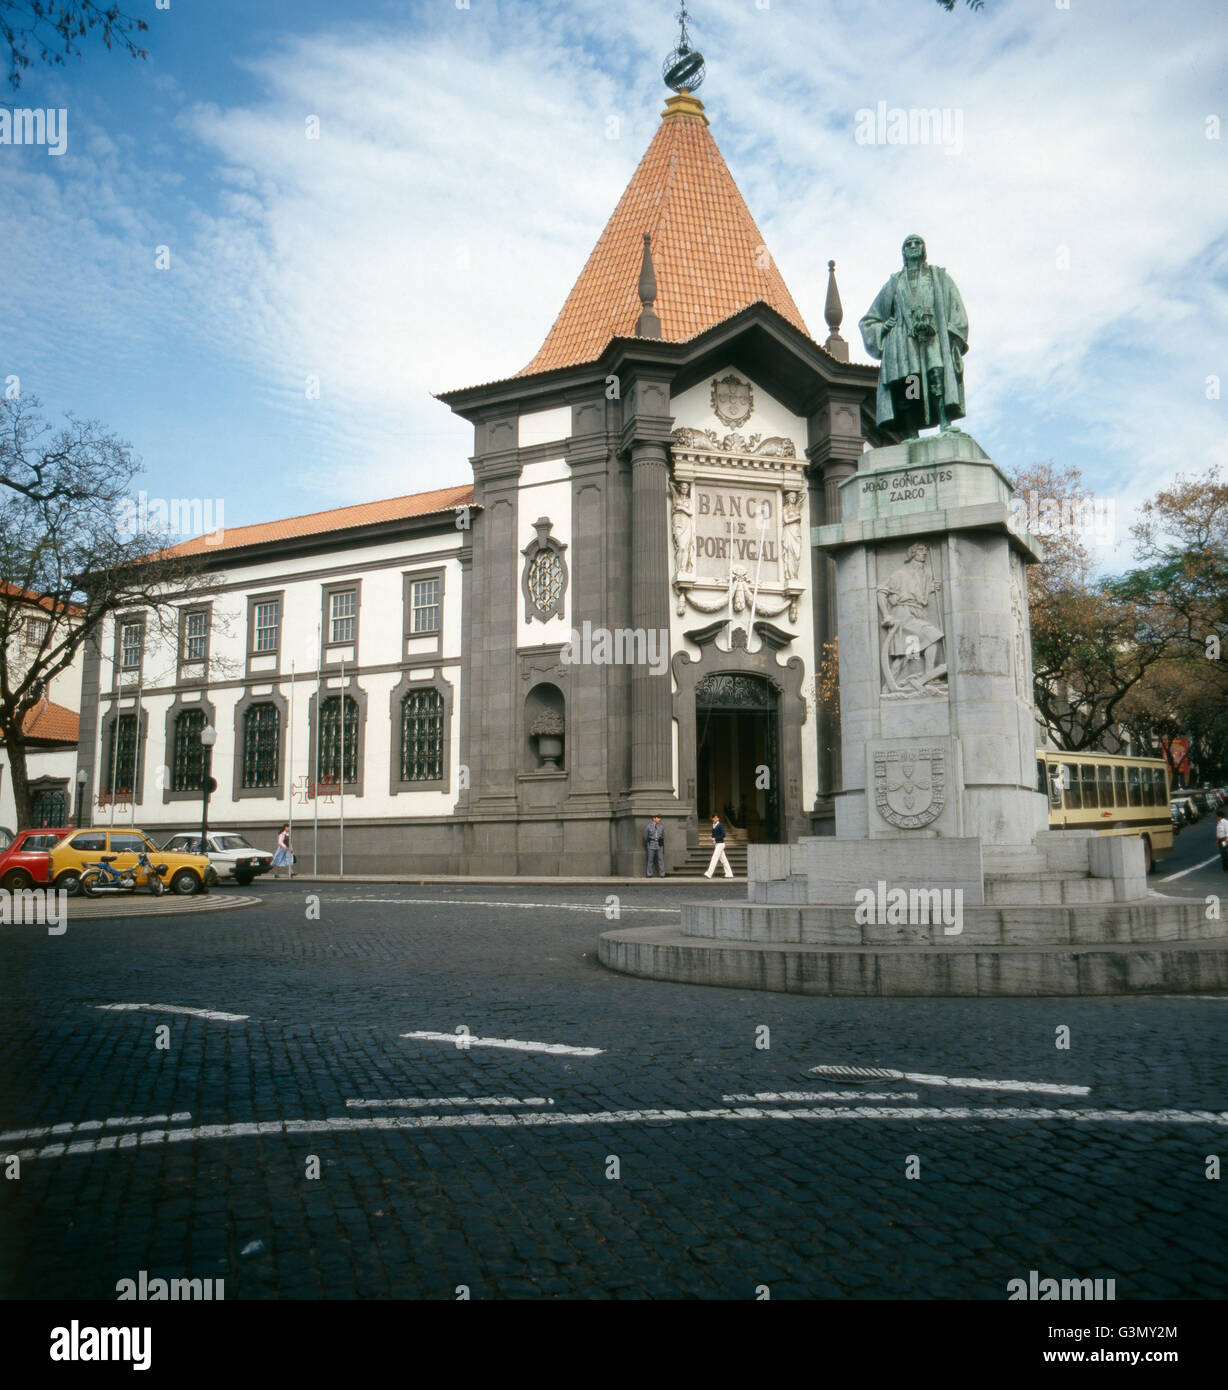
654 843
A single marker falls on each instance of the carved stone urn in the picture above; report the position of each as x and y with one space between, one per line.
547 729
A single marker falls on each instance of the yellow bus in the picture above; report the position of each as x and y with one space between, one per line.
1111 795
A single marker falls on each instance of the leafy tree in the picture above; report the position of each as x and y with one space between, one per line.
48 31
67 558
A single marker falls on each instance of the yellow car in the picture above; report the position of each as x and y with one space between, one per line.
185 873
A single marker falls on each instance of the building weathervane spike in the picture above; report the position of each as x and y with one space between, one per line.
683 70
833 312
648 325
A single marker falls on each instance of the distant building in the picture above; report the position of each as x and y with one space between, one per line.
620 617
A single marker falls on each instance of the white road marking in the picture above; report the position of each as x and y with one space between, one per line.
534 1119
808 1096
83 1126
474 902
514 1043
177 1009
411 1101
1181 873
1050 1088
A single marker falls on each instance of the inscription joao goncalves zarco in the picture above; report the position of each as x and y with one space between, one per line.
729 523
907 487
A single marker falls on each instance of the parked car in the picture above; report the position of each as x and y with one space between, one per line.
233 856
1186 807
25 862
6 837
185 873
1178 818
1202 802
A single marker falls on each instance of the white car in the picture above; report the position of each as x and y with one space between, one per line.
233 856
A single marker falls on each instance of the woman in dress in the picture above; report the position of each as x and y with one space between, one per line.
282 856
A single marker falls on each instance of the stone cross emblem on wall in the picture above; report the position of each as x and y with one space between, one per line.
910 786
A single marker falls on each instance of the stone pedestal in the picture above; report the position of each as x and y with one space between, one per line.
937 725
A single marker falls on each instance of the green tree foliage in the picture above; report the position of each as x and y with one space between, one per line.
48 31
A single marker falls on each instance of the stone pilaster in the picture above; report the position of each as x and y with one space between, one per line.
651 700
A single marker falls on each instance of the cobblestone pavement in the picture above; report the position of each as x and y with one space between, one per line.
682 1160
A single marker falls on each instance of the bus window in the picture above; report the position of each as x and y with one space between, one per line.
1070 784
1159 791
1042 776
1119 785
1134 780
1087 775
1104 779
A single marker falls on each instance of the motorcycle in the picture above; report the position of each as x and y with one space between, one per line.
100 878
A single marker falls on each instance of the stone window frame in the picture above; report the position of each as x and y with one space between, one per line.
359 695
105 723
326 601
178 707
186 670
277 791
119 672
39 785
277 596
435 681
408 579
543 541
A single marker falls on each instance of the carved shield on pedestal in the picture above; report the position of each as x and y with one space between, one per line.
910 786
733 402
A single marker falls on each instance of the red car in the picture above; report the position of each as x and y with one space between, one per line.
24 862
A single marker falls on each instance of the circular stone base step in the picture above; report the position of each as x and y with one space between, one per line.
991 971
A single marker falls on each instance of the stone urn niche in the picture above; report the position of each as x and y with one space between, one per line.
546 726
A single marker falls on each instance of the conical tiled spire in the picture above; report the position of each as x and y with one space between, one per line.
708 254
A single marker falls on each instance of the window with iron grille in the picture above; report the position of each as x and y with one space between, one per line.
36 630
130 641
119 774
425 603
545 581
343 615
261 746
422 736
188 754
195 636
266 619
331 740
48 806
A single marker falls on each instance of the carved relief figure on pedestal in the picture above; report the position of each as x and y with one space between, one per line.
909 637
791 534
1019 613
684 528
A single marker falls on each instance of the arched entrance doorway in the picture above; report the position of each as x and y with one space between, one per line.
737 754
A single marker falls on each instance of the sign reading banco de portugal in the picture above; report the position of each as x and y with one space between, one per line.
729 522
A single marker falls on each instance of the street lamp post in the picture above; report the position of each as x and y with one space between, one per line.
82 778
208 737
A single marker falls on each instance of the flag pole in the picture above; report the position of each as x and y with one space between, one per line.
341 864
315 790
290 773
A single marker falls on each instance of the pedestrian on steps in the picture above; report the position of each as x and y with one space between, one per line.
718 854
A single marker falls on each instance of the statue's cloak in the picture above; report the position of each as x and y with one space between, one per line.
898 349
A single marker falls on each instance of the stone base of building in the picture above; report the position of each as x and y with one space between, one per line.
1069 915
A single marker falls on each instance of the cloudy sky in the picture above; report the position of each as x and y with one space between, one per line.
467 162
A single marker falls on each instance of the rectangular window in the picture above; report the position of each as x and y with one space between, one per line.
1134 778
1104 779
1070 785
195 636
425 604
343 615
119 772
130 642
1087 773
266 619
1119 785
36 630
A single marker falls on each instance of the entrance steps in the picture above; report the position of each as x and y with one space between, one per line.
699 856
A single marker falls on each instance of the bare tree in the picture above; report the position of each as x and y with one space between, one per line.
50 31
67 559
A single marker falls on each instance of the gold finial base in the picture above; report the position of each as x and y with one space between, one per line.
684 104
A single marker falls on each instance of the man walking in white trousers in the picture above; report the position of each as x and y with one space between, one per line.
718 854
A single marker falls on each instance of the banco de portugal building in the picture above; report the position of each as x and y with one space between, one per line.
622 616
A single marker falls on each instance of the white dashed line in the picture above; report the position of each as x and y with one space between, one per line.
410 1102
973 1083
216 1014
534 1119
462 1041
1181 873
473 902
85 1126
807 1096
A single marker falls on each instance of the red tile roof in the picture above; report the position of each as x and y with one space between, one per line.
444 499
709 256
51 723
48 605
